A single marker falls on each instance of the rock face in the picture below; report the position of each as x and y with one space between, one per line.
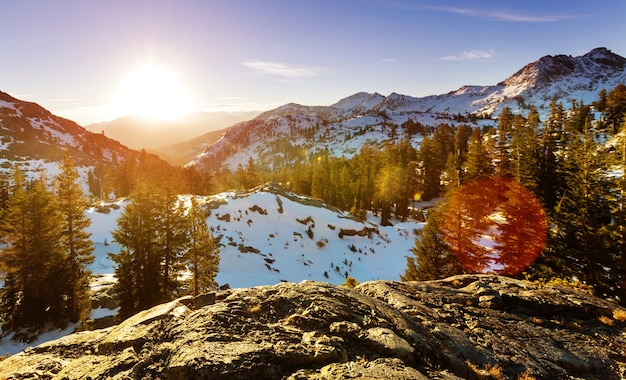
463 327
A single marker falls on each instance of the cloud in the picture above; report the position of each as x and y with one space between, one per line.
503 16
281 70
389 60
471 55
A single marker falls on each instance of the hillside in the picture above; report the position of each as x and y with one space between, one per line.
463 327
268 235
139 133
182 152
37 140
276 137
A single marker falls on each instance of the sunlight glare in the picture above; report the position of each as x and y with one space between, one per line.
152 92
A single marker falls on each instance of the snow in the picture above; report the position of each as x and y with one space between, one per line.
338 126
102 312
5 104
280 248
8 346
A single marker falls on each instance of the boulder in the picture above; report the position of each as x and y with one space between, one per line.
467 326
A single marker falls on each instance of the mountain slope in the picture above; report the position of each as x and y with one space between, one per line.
268 235
363 118
31 133
138 133
183 152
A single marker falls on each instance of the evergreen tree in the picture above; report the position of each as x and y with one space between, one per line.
240 175
202 256
618 203
616 107
526 153
139 261
581 237
171 239
479 158
505 126
551 134
33 260
430 169
75 241
432 258
452 174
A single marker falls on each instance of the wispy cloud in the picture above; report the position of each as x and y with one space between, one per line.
504 16
388 60
471 55
281 70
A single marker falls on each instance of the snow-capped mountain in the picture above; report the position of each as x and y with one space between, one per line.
362 118
37 139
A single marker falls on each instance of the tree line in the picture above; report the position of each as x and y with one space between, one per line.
167 249
46 250
163 240
567 164
564 161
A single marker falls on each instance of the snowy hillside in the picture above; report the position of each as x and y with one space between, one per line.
36 139
288 133
268 235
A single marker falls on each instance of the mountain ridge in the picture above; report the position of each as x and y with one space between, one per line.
138 133
31 132
354 120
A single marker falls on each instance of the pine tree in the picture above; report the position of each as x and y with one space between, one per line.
526 153
505 125
431 169
581 217
202 256
551 135
15 254
172 238
75 241
432 258
139 262
479 158
33 260
616 107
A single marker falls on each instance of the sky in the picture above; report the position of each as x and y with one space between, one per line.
74 57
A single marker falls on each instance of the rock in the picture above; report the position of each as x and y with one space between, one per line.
467 326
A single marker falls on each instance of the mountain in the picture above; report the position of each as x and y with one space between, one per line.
37 139
463 327
138 133
362 118
183 152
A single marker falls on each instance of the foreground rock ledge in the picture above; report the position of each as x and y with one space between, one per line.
463 327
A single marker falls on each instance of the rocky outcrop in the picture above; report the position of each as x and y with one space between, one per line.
462 327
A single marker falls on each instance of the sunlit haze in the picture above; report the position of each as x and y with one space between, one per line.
152 92
76 57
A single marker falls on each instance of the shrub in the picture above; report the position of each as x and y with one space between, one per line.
350 282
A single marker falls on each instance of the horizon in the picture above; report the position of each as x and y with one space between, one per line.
95 62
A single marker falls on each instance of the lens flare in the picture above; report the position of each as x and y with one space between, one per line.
495 225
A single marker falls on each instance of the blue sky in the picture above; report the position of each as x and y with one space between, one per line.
72 57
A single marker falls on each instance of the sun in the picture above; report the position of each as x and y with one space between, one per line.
153 93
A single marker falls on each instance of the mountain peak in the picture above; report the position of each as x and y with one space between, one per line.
550 68
364 101
604 56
